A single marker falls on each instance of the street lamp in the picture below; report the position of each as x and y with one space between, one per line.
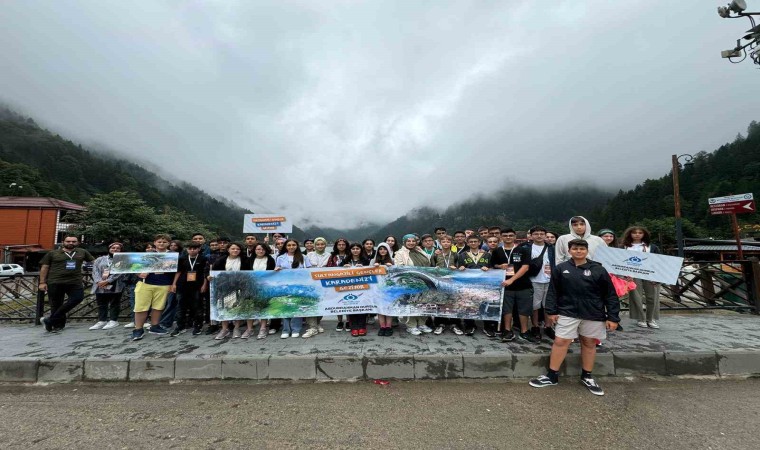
677 196
735 10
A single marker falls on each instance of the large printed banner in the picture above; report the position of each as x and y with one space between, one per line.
394 291
267 223
150 262
647 266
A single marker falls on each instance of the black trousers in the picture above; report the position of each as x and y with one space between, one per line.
109 306
190 307
73 293
358 321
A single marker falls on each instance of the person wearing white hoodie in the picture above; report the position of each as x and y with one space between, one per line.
580 228
318 258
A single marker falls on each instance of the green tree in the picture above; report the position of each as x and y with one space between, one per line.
117 215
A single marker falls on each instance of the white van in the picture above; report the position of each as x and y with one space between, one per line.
11 270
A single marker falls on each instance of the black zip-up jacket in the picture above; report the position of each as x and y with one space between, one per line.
583 292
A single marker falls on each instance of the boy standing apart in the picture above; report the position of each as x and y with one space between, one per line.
581 302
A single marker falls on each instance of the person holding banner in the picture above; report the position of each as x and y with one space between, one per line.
107 289
384 257
151 293
291 258
232 262
189 285
357 259
638 239
339 253
262 260
447 259
318 258
411 255
581 302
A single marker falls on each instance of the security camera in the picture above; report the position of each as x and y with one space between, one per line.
723 11
731 53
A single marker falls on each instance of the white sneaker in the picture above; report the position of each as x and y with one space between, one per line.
653 324
146 325
425 329
414 331
438 330
295 335
98 325
130 325
284 335
111 324
311 332
320 329
641 324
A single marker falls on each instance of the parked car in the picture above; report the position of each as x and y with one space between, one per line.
11 270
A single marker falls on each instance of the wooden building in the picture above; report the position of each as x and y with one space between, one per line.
31 225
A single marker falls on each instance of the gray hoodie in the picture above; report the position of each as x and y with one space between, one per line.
594 241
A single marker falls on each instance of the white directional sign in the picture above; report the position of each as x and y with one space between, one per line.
730 199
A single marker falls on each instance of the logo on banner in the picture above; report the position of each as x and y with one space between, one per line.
634 261
350 299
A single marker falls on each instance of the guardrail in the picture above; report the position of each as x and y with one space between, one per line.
733 285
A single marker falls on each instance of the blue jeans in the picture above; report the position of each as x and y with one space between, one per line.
170 310
292 325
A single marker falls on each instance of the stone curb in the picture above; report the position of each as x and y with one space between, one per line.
498 365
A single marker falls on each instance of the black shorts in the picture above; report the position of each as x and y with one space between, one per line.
523 298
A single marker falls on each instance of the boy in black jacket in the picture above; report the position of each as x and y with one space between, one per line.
190 284
581 301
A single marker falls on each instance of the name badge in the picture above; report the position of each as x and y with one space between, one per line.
191 276
547 269
510 270
71 265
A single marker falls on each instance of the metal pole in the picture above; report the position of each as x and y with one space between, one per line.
677 202
735 226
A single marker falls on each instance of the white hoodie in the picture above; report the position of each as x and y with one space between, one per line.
560 247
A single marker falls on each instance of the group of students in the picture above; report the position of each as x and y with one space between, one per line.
551 284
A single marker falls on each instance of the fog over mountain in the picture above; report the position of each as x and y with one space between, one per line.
348 113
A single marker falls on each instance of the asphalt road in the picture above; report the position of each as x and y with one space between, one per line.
689 414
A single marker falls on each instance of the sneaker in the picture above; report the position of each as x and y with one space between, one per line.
339 327
236 333
508 336
223 334
147 325
130 325
389 331
381 332
619 327
247 333
98 326
438 330
641 324
549 332
197 331
272 331
311 332
414 331
138 334
263 333
362 331
157 329
489 332
458 331
176 332
536 332
355 333
295 334
213 329
425 329
46 323
284 335
320 329
542 381
653 324
591 385
527 337
470 331
111 324
347 326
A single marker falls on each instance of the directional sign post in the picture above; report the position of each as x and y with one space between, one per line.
733 204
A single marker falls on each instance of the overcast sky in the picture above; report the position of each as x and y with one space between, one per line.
339 112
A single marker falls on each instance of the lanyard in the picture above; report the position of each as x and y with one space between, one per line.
509 256
192 263
70 255
446 259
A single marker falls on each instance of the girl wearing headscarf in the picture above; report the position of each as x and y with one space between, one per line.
318 258
411 255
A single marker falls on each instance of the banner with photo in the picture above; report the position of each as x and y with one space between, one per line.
148 262
394 291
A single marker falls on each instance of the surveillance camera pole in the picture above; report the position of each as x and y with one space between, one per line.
677 200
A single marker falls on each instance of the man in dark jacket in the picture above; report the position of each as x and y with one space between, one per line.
581 302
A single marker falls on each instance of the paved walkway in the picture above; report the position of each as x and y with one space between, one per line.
688 344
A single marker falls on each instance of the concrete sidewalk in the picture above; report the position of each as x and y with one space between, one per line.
687 345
